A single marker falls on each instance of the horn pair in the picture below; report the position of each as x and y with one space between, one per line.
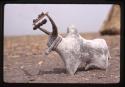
37 25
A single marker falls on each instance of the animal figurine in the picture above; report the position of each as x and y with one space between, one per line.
74 49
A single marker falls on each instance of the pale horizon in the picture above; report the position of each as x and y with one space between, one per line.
18 18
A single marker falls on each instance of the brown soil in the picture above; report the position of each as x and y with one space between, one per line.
24 62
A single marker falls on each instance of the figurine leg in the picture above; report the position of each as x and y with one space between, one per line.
72 66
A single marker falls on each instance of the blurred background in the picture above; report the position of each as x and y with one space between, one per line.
18 18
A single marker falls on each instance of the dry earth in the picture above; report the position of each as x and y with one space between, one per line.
24 62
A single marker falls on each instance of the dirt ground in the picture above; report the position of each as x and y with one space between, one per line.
24 62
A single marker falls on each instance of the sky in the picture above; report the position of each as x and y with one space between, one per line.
18 18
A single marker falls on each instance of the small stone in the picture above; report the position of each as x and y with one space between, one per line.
22 67
40 62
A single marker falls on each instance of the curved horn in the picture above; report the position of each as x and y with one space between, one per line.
40 24
45 31
54 27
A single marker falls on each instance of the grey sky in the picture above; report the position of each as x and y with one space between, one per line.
18 18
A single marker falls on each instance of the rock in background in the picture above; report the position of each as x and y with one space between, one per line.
111 25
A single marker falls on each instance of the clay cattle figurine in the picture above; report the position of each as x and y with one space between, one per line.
74 49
